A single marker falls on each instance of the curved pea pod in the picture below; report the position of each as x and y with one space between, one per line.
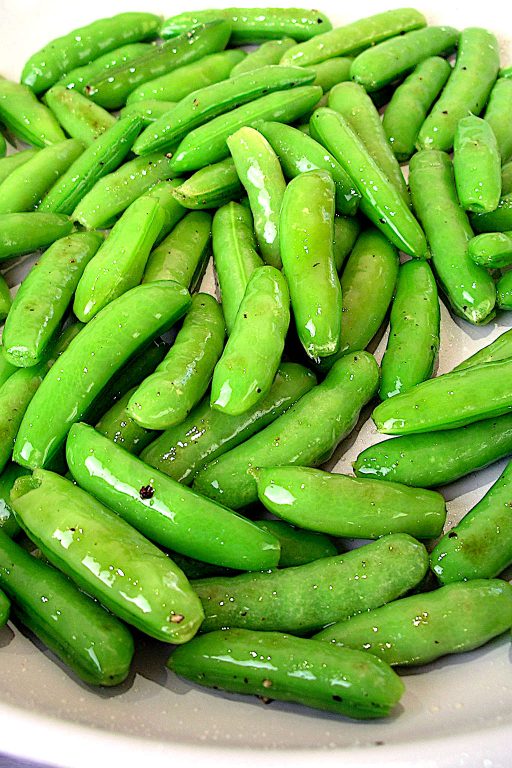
490 249
118 426
349 507
380 200
298 546
253 25
499 220
305 598
211 186
80 117
144 587
5 300
466 91
207 143
9 164
477 165
206 434
504 291
79 77
149 111
26 232
82 45
183 254
119 263
499 349
299 153
266 54
355 37
421 628
173 210
167 396
346 232
103 156
331 72
307 434
413 340
44 296
89 363
8 477
94 644
498 113
468 287
26 117
333 679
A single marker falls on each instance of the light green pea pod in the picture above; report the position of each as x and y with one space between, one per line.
173 210
167 396
491 249
211 187
246 370
26 232
498 114
5 299
346 232
9 164
476 165
80 117
506 178
267 53
499 220
26 117
121 428
504 291
8 477
499 349
149 111
79 77
119 263
298 546
331 72
6 369
23 189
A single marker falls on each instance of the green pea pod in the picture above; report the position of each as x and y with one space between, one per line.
149 111
381 201
117 425
207 143
26 117
119 330
3 145
102 157
298 153
468 287
211 187
78 78
499 220
253 25
26 232
80 117
266 54
421 628
120 261
182 256
331 72
8 477
6 369
307 434
466 91
476 165
498 114
9 164
96 646
410 103
504 291
355 37
346 232
127 574
206 434
5 607
23 189
5 300
173 210
506 178
298 546
413 340
499 349
349 507
490 249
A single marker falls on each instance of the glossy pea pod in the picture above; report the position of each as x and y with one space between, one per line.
421 628
266 54
499 220
26 117
466 91
8 477
9 164
206 434
307 434
167 396
413 340
211 187
491 249
468 287
78 78
248 365
504 291
498 113
26 232
293 670
5 300
476 165
499 349
120 261
80 117
298 546
144 587
162 509
118 426
173 210
346 232
94 644
381 201
149 111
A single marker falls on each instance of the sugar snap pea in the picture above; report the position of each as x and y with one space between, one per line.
117 425
150 111
80 117
504 291
499 220
5 300
476 165
331 72
3 145
78 78
8 477
346 232
26 232
298 546
26 117
211 186
499 349
173 210
490 249
267 53
6 369
5 607
498 113
9 164
506 178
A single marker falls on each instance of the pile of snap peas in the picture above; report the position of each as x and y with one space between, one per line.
161 448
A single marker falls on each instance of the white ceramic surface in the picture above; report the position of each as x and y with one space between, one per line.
458 712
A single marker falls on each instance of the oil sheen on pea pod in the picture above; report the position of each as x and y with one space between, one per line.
117 425
499 220
307 251
211 187
340 681
26 117
27 232
5 301
492 250
266 54
349 507
91 361
9 164
476 165
468 287
80 117
8 477
79 77
346 232
163 510
421 628
144 587
251 357
498 113
307 434
499 349
206 434
413 340
504 291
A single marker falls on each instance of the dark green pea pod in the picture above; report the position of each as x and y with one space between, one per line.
499 220
94 644
149 111
79 77
130 576
504 291
44 297
162 509
266 54
413 340
346 232
331 72
5 607
506 178
421 628
120 261
26 232
9 164
78 115
3 145
183 254
347 506
89 363
492 250
298 546
476 165
307 434
498 114
468 287
206 434
337 679
211 186
305 598
499 349
173 210
26 117
117 425
5 300
102 157
8 477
